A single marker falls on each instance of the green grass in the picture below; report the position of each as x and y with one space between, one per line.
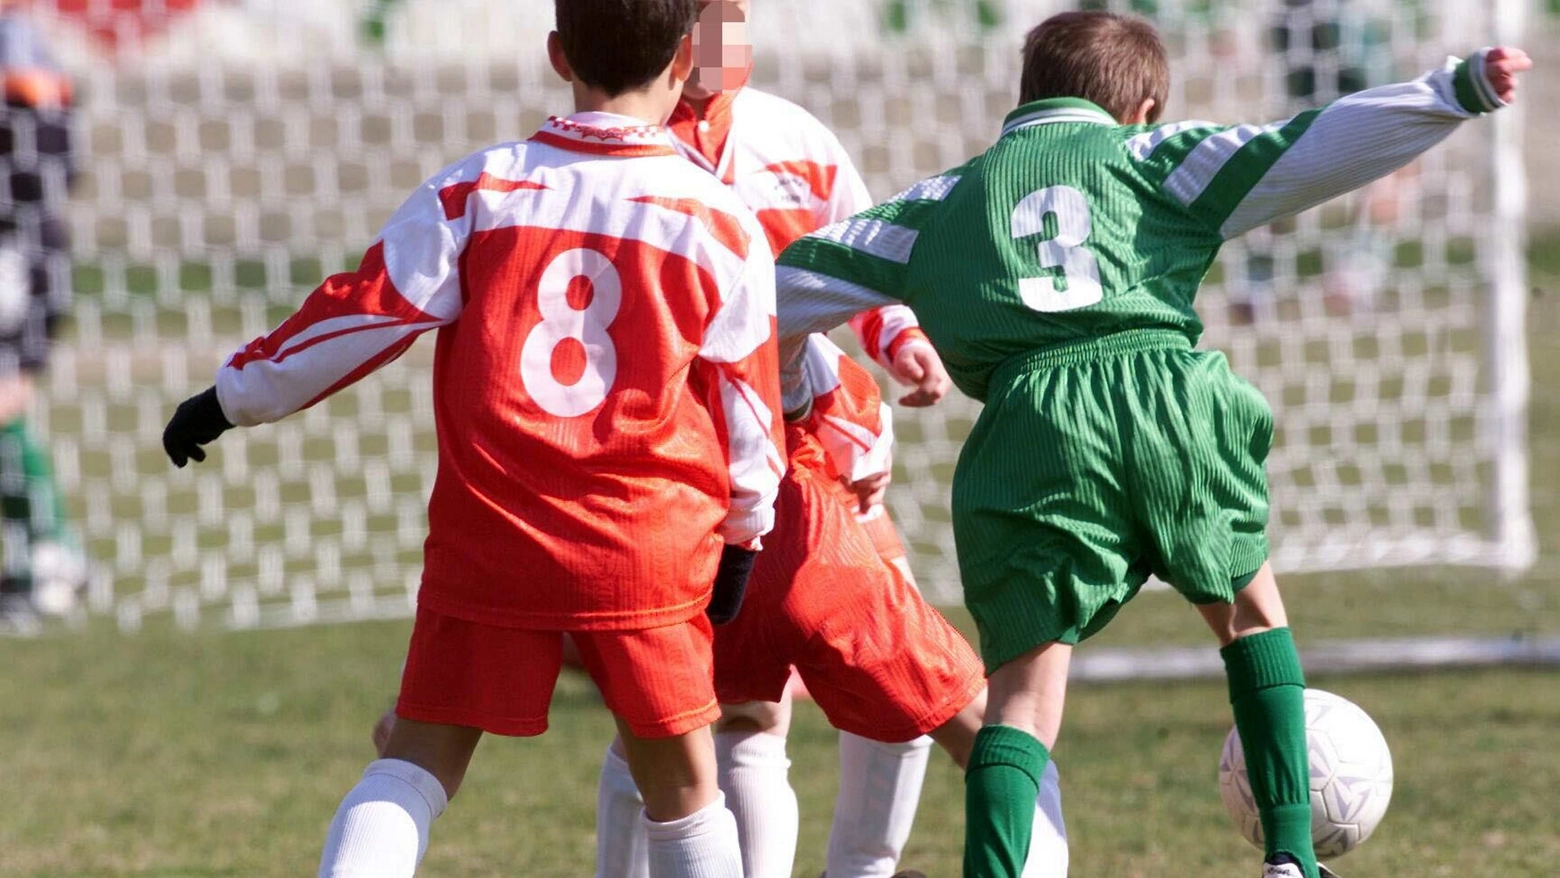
225 754
203 755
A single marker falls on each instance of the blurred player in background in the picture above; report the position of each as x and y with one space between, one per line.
1056 273
43 565
865 629
606 396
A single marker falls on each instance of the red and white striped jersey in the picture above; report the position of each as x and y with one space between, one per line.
605 378
792 171
848 434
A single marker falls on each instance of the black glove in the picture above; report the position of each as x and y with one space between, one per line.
731 579
195 422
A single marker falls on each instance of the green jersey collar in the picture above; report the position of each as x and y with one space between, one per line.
1055 110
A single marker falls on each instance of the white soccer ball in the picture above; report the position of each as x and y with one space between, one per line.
1351 776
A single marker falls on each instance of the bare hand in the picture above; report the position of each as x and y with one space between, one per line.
1501 66
918 366
870 491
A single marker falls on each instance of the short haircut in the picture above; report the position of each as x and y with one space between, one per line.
1114 61
622 45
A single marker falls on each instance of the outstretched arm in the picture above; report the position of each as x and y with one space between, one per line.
352 324
1236 179
839 271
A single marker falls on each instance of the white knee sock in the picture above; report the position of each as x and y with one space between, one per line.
701 845
880 789
620 833
1048 842
755 776
381 828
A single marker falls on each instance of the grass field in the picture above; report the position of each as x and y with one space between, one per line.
173 754
224 754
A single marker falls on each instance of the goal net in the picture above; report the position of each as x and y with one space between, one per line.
234 153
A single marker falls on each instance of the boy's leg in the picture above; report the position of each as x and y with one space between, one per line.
381 828
620 830
1048 854
16 515
880 791
658 683
1007 764
689 831
755 777
1267 692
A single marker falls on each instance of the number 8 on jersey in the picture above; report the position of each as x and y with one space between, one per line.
566 330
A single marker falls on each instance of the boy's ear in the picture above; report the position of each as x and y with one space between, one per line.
682 62
1147 113
560 61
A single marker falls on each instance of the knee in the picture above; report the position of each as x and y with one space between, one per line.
769 717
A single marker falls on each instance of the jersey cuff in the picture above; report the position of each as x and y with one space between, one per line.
908 338
1471 84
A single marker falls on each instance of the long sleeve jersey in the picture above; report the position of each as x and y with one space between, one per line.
1072 228
605 381
794 173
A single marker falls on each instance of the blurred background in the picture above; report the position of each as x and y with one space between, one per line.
190 660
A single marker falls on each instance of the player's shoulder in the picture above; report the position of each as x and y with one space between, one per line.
782 119
675 182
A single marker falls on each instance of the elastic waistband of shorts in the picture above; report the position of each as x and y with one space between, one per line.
1072 353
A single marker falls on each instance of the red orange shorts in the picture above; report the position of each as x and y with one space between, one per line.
879 660
500 680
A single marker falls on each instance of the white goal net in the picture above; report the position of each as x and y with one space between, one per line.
233 153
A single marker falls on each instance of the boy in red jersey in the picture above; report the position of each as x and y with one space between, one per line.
909 663
606 393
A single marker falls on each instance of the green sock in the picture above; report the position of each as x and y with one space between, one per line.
1000 787
1267 691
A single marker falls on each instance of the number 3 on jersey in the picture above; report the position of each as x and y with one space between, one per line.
1064 251
585 330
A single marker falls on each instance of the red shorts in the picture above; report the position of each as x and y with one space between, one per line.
879 660
500 680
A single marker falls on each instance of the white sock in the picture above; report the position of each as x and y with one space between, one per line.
701 845
620 833
755 776
1048 842
880 789
381 828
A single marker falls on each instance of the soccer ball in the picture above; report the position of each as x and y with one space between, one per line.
1351 776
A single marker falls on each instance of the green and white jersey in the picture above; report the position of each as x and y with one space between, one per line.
1072 227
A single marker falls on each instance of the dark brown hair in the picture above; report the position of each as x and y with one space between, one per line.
1114 61
622 45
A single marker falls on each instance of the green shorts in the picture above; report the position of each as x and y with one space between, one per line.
1092 468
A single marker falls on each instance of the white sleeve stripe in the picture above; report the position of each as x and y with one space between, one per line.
814 302
1357 139
755 463
1202 165
873 237
930 189
1143 145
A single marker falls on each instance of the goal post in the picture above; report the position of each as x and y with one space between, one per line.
238 152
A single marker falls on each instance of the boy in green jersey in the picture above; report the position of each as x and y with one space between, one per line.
1055 273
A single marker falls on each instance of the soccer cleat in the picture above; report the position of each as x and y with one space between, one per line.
909 873
1285 866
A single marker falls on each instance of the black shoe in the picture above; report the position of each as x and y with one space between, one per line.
909 873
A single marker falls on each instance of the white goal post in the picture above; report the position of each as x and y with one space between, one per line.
245 149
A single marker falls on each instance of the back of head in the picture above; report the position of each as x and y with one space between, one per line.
618 46
1114 61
